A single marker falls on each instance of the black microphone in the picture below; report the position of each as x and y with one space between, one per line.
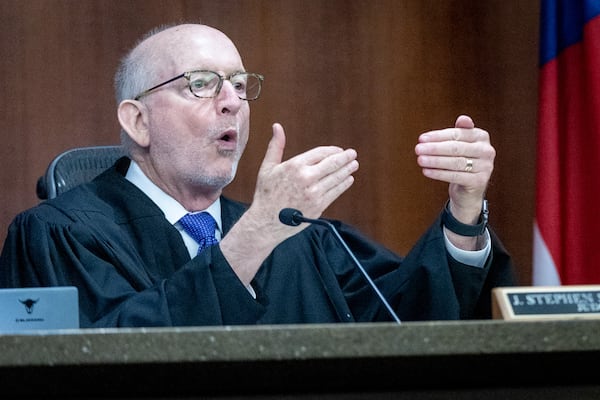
293 217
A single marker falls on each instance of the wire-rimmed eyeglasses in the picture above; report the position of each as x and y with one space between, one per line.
207 84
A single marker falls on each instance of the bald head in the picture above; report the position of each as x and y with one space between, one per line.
169 51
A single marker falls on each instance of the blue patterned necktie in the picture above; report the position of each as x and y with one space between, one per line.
201 227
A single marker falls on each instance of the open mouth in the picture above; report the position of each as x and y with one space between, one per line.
229 136
228 139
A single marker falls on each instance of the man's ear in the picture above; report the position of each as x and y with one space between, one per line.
133 117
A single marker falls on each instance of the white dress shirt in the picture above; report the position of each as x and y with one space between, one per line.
173 210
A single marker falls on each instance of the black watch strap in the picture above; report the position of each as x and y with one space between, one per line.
459 228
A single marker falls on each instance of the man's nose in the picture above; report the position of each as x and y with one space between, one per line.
227 99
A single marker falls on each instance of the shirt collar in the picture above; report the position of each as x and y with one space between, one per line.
172 209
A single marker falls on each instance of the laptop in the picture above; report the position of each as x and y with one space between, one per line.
39 308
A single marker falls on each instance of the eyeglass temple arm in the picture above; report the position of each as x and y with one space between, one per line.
145 92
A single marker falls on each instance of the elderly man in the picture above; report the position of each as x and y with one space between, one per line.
152 241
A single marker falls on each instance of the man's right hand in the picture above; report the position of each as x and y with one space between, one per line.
309 182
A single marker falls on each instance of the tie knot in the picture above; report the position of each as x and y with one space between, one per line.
201 227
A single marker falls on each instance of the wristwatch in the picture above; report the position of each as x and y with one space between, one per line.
459 228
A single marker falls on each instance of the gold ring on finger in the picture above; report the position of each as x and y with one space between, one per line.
469 166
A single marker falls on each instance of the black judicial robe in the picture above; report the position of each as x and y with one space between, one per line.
131 268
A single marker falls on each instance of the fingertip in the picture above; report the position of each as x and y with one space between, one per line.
419 149
424 138
464 121
276 127
278 130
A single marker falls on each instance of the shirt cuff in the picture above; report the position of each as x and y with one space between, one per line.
475 258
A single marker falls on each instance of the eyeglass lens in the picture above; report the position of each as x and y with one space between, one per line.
208 84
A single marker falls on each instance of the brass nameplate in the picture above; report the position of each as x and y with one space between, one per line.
546 302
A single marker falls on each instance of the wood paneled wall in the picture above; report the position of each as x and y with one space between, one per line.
369 74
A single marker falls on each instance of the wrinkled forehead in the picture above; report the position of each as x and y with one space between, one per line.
187 47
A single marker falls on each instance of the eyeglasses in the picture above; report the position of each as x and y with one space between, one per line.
207 84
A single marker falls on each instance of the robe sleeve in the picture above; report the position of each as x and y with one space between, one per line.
426 284
114 288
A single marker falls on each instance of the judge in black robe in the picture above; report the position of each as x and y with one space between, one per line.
132 268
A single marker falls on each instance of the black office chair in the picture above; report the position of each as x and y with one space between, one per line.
74 167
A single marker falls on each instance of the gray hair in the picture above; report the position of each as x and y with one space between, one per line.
135 73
